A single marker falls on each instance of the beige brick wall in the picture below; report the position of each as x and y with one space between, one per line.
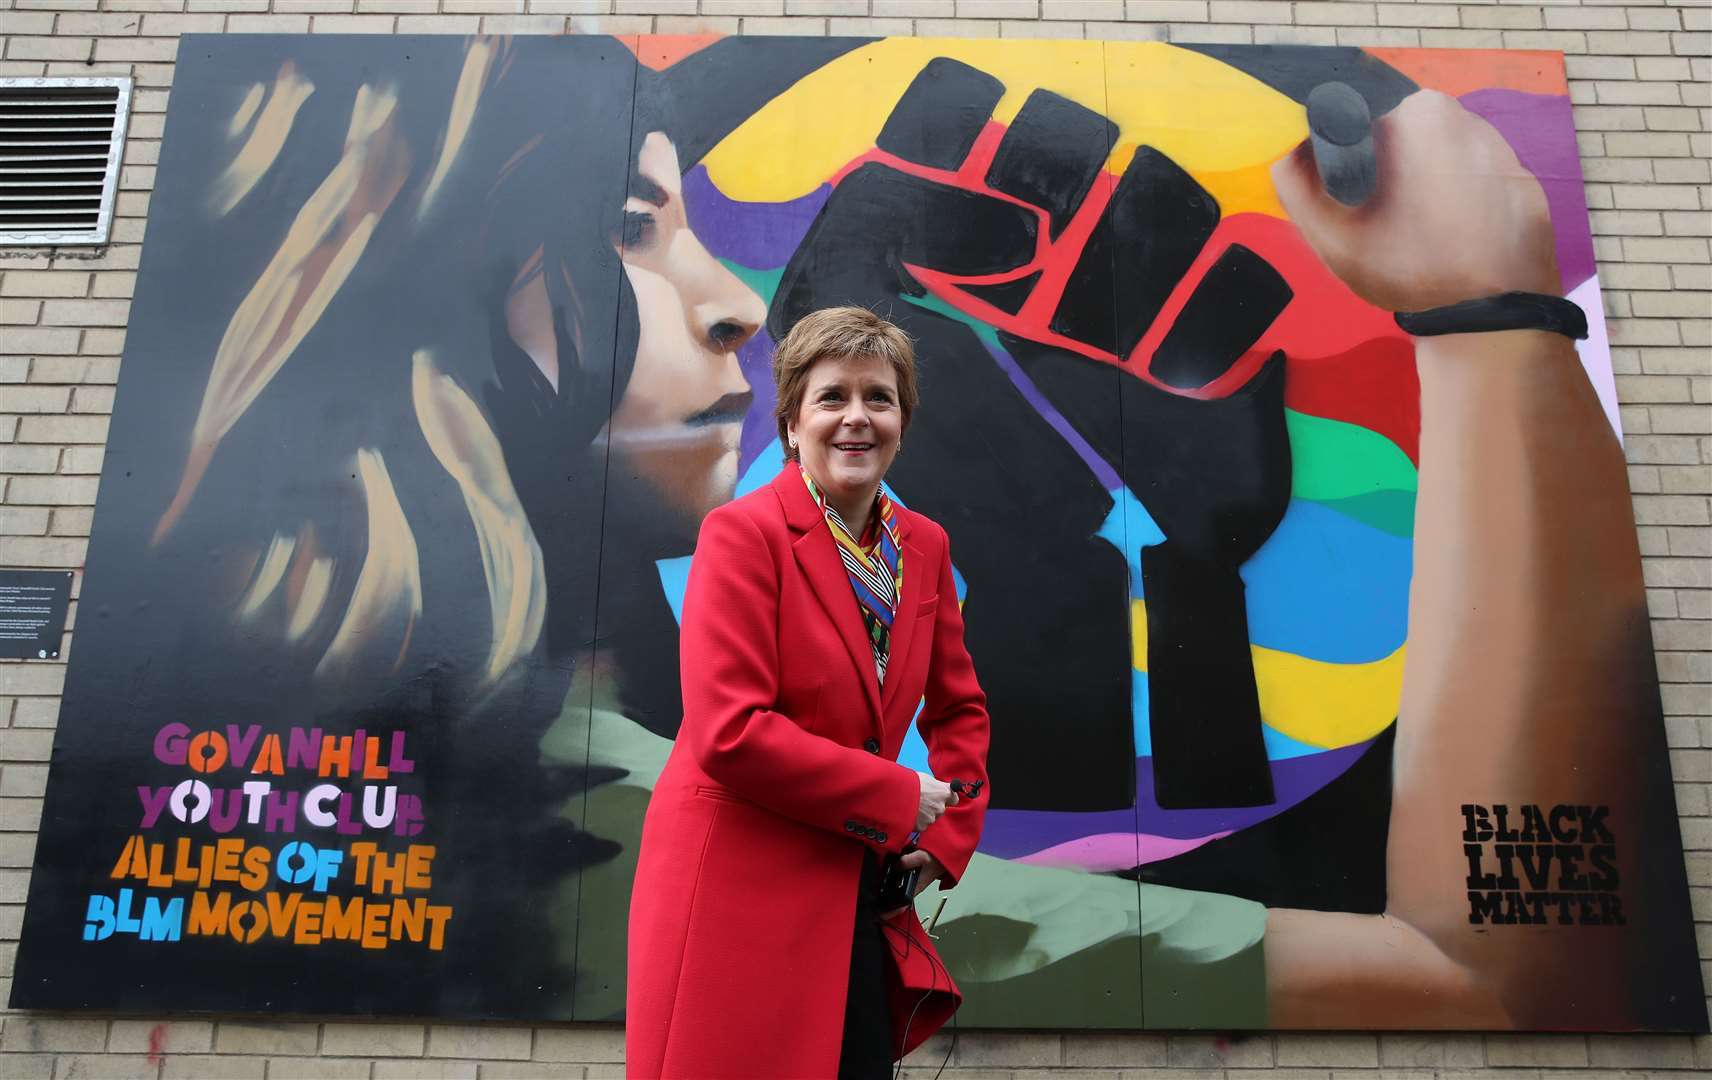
1641 78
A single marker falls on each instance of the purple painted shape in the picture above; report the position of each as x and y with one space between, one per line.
755 359
1107 476
761 236
1114 851
1011 834
1293 780
1541 129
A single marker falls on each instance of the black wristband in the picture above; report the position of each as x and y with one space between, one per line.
1506 311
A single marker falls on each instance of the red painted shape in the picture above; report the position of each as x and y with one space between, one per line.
661 51
1347 360
1459 71
1373 385
973 174
157 1043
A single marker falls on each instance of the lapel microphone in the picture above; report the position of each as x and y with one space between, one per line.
967 789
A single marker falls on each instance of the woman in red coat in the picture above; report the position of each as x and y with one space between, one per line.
819 615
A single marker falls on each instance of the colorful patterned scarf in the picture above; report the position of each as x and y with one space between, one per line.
876 568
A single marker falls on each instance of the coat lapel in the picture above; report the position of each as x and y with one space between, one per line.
817 554
903 627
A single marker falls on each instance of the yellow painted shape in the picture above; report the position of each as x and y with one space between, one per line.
1206 116
322 246
477 59
268 578
1244 191
1209 118
511 557
266 139
1312 701
246 111
387 599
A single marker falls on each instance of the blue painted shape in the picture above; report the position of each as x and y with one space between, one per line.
1129 528
761 471
1281 747
124 921
1324 585
674 580
913 754
98 918
1140 713
1328 587
162 922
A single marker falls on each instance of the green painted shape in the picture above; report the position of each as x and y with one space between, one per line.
1388 511
764 282
1094 988
1042 946
1332 461
989 337
1203 960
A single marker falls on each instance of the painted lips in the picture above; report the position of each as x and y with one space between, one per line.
729 409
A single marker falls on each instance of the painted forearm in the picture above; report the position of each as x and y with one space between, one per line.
1522 611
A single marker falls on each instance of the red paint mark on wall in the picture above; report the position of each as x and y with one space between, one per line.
157 1043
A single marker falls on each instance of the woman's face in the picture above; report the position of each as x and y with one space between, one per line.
682 412
848 425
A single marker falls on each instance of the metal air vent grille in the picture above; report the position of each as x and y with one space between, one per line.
60 144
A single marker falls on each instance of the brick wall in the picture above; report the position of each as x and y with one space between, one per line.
1639 73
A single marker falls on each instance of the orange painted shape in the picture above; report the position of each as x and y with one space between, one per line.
1459 71
133 860
661 51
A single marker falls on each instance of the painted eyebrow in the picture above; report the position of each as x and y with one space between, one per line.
649 192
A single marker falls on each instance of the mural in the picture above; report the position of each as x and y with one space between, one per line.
1318 662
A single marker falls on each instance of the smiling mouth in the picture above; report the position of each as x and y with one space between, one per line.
854 448
731 408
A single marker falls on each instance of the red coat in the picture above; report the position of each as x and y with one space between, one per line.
785 769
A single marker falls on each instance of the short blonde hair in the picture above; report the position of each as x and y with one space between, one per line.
837 333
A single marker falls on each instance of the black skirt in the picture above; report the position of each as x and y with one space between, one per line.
867 1047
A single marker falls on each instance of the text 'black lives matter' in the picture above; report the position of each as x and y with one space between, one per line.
1528 865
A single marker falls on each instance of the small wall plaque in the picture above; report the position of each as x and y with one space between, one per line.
32 613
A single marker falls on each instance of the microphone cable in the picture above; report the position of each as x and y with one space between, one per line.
933 985
965 789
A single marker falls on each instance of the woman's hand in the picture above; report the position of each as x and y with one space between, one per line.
931 871
936 795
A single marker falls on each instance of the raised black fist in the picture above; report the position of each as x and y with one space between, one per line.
1048 600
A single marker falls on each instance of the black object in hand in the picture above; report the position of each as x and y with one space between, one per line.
1340 130
897 889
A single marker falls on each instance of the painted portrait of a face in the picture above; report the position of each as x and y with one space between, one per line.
682 413
679 417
